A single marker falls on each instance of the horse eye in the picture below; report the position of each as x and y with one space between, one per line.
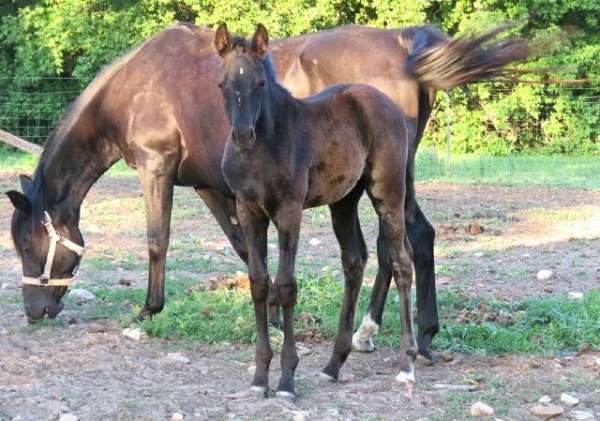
260 83
221 84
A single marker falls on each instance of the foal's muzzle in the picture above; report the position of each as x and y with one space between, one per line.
244 138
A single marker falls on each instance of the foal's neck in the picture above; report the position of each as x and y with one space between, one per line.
276 108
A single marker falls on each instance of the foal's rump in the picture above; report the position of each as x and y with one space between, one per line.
357 131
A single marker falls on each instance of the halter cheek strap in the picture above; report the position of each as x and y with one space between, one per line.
55 238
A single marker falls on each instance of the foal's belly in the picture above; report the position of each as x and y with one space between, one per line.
334 176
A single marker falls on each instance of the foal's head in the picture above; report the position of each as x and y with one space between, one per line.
32 242
242 81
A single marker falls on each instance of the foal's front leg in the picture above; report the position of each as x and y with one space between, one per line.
287 220
254 226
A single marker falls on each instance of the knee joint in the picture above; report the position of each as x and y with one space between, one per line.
286 291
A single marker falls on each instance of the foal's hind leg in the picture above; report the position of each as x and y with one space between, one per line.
224 211
386 192
344 215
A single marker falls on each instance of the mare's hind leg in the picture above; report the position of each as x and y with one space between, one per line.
156 176
362 341
421 235
224 211
344 215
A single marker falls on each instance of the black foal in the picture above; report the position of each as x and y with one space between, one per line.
283 155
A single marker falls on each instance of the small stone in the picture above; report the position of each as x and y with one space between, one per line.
581 415
548 288
68 417
3 332
545 399
547 411
297 415
473 228
133 333
576 295
478 254
534 364
544 275
314 241
178 358
447 356
80 295
597 361
251 368
569 400
5 285
177 417
125 282
480 409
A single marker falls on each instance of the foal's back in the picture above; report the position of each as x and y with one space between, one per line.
349 127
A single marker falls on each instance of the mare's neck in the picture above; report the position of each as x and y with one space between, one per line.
72 162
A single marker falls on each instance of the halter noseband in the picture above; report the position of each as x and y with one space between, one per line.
55 238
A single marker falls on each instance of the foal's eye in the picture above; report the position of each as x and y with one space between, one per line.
221 84
260 83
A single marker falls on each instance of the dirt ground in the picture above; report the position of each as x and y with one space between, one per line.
87 368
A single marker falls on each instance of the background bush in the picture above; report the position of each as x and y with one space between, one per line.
57 46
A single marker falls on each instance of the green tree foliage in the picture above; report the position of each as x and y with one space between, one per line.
70 40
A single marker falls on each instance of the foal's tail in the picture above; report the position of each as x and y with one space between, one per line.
443 63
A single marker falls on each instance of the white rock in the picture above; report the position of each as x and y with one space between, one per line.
478 254
544 275
68 417
80 295
177 417
576 295
547 411
581 415
479 409
314 241
545 399
178 358
5 285
597 362
297 415
569 399
133 333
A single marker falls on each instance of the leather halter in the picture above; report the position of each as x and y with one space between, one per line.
55 238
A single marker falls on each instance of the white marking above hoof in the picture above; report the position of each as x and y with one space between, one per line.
406 377
288 396
259 391
362 340
327 377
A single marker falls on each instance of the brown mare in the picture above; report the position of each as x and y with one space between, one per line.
284 155
158 107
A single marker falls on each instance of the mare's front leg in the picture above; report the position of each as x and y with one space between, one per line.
157 175
344 215
287 220
254 224
224 211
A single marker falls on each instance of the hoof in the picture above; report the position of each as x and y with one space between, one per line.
327 377
406 377
285 395
359 345
259 391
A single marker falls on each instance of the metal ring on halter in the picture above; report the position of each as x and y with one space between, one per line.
55 238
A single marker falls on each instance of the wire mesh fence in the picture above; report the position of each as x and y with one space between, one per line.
557 121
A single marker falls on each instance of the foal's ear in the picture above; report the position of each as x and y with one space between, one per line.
222 39
20 201
260 40
25 182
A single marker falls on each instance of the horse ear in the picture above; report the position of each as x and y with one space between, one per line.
25 182
20 201
260 40
222 39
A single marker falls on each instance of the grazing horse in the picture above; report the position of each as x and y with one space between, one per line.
284 155
159 109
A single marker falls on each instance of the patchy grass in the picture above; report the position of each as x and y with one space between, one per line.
471 323
559 170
